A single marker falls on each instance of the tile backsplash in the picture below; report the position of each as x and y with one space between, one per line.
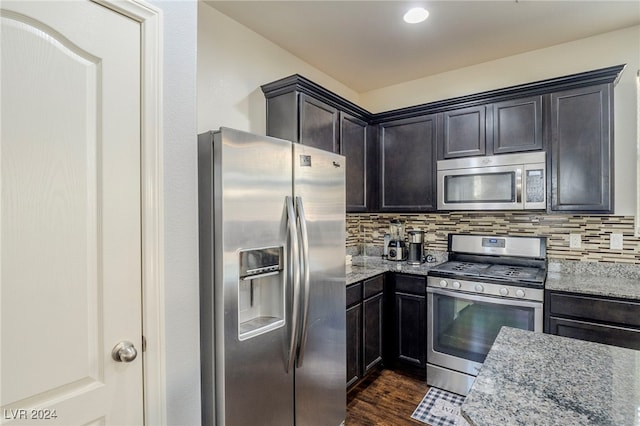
366 230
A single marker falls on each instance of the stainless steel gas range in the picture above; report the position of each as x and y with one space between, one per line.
488 282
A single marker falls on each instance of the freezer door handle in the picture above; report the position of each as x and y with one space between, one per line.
293 279
306 277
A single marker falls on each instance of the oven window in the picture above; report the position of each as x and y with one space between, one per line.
480 188
467 329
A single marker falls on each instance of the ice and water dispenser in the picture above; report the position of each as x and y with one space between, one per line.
261 291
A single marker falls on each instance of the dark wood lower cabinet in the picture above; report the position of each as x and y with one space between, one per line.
354 361
410 317
409 327
592 318
372 314
365 328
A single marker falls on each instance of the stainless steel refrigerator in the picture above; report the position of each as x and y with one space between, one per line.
272 281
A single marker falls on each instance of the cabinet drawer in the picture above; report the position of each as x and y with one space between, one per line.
410 284
373 286
354 294
592 332
596 309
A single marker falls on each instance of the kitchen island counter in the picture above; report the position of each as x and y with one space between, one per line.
540 379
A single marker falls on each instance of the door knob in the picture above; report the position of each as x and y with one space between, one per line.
124 352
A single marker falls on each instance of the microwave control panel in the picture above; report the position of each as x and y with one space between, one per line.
535 186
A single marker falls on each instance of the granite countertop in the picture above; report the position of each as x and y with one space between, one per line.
611 280
599 279
540 379
364 267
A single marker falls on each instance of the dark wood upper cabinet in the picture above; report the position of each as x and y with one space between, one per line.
407 164
301 118
517 125
582 149
464 132
391 156
513 125
304 112
357 144
318 124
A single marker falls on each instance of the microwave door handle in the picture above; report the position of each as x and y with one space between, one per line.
519 186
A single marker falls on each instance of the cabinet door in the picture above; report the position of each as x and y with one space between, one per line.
407 175
372 314
354 333
410 328
356 145
593 332
464 132
282 116
581 150
318 124
517 125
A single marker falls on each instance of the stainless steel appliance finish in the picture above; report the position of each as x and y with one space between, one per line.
415 254
272 272
499 182
474 294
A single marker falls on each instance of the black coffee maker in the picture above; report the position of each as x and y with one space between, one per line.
416 247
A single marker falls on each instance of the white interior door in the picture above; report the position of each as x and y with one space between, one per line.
70 232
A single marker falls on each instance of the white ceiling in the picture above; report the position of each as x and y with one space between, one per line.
366 45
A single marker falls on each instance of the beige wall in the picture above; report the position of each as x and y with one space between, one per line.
614 48
233 62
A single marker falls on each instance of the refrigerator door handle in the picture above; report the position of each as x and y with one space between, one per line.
306 277
294 278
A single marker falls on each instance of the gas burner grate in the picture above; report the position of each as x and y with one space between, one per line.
512 273
462 268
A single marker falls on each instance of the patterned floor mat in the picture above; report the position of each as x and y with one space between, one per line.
440 408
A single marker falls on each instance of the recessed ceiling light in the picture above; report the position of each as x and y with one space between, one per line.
415 15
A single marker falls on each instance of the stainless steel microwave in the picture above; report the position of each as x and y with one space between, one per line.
497 182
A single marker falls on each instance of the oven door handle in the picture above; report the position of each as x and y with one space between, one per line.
475 297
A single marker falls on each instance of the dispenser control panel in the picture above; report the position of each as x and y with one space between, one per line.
261 261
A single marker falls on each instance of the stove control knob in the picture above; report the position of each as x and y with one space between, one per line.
504 291
443 283
455 284
479 288
520 293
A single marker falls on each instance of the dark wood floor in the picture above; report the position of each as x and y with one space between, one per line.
386 398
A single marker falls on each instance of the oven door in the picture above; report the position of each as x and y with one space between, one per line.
462 327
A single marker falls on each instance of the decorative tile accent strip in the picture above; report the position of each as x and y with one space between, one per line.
369 229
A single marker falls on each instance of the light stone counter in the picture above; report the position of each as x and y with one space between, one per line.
364 267
611 280
540 379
